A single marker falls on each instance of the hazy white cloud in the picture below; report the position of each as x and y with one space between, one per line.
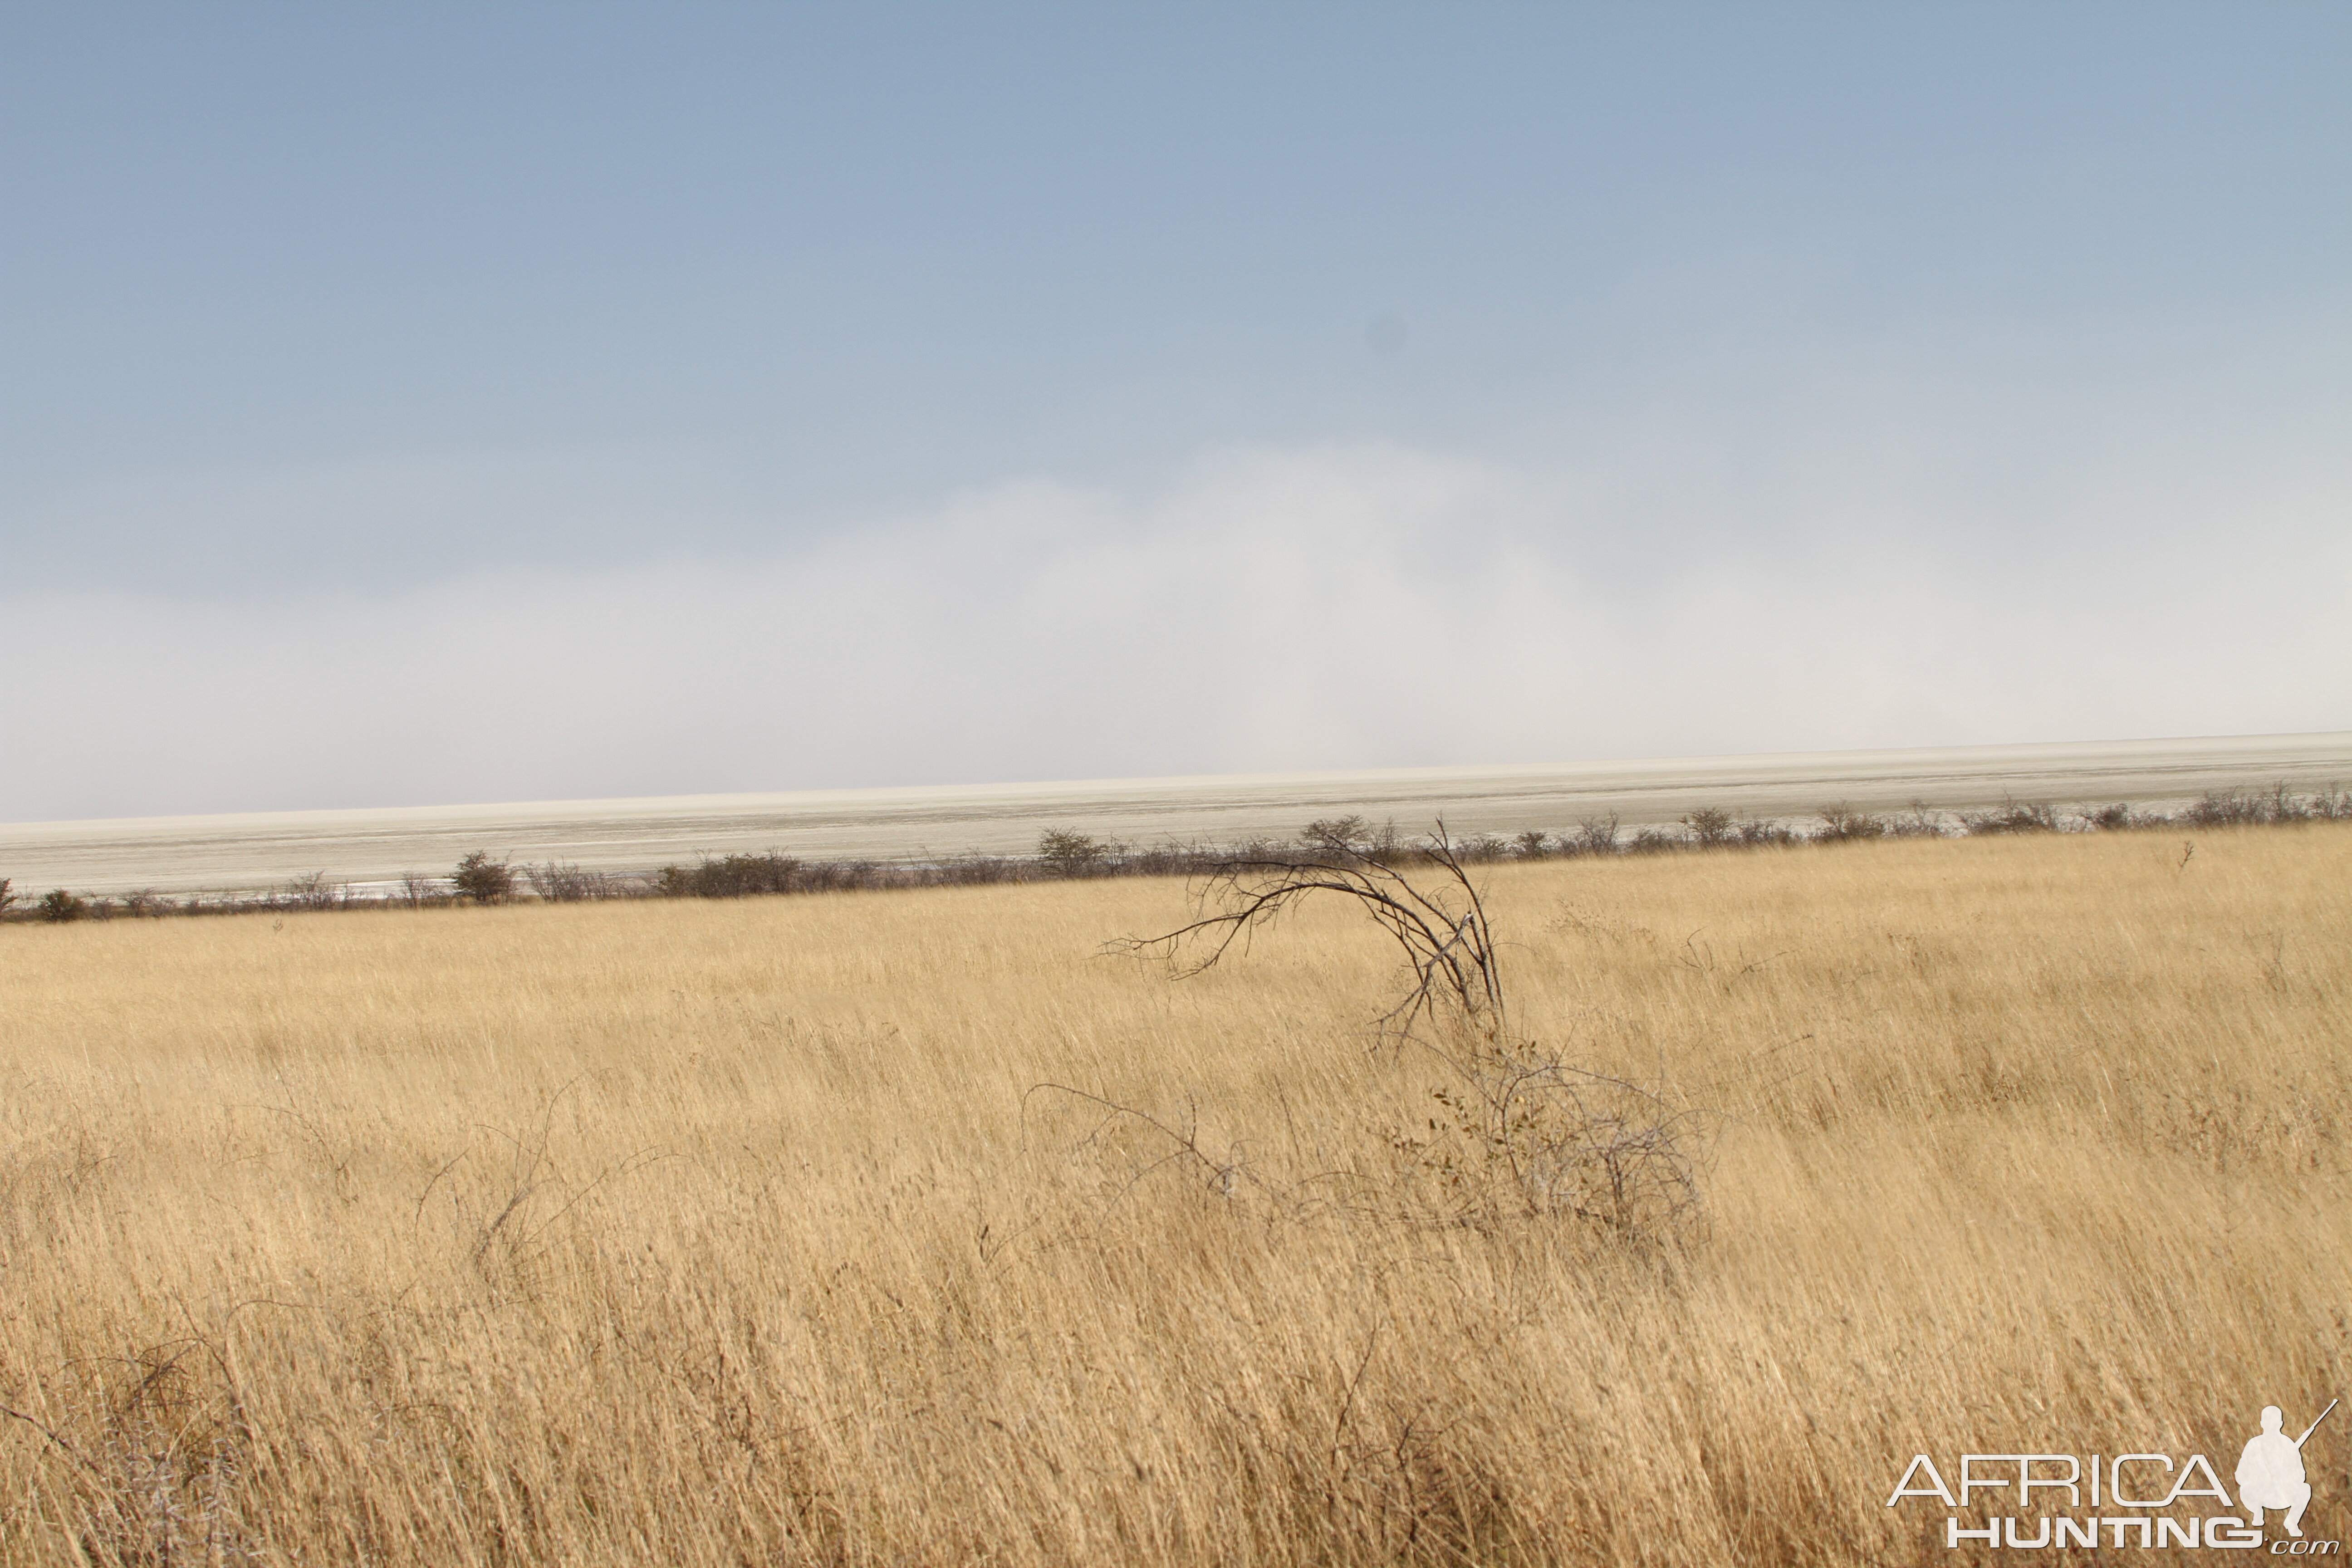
1332 607
258 530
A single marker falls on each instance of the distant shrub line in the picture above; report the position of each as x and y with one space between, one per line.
1065 854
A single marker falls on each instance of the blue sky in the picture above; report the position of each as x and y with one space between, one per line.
427 404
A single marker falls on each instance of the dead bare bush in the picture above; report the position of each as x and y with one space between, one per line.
1518 1131
1842 824
562 883
1594 836
2013 816
1348 837
1918 820
311 891
2264 808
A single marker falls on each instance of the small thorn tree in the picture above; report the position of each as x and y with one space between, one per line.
483 879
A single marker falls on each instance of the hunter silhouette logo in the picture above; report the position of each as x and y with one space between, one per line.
2143 1500
2270 1472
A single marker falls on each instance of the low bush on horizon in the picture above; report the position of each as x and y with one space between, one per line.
1064 853
59 906
483 879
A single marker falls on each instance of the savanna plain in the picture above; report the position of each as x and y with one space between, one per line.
912 1228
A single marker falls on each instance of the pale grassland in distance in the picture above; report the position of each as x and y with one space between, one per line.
727 1233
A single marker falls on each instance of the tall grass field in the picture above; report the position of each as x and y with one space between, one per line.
912 1228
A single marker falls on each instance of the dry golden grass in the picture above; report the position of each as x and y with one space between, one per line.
693 1233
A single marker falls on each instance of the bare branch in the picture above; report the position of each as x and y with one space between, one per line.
1443 933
